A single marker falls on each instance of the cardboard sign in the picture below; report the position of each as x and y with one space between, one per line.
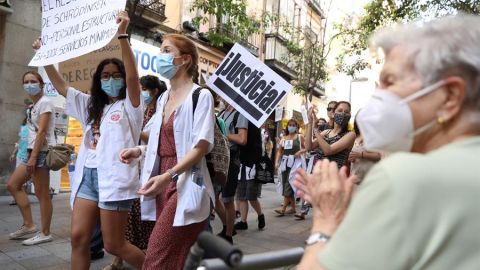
247 84
73 28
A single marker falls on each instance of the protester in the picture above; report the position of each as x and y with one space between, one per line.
335 143
152 88
291 149
20 151
322 124
175 169
40 124
330 113
361 159
416 210
237 133
138 231
267 144
248 190
111 118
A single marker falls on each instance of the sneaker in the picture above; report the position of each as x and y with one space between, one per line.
241 225
23 231
38 239
261 221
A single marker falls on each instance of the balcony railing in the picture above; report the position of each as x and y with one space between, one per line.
249 43
154 6
276 56
315 5
148 13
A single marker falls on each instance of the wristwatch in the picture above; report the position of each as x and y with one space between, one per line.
173 175
317 237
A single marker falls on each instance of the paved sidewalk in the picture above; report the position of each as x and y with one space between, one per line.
280 233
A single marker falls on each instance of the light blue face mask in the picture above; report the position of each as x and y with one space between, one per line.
32 88
165 66
146 97
292 129
112 87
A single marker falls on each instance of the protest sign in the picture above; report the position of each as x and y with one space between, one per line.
278 114
248 85
305 115
72 28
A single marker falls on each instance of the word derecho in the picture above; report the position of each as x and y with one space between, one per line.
250 82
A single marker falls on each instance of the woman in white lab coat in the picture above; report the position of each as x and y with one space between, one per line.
175 171
111 118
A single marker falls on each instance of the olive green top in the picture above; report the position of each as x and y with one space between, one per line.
414 211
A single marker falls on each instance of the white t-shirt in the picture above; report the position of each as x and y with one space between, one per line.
42 106
119 129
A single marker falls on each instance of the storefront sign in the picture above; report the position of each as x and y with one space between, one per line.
74 28
146 58
247 84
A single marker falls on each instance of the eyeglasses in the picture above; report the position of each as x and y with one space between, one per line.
329 109
107 76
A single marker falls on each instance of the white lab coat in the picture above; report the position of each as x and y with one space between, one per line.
119 129
193 200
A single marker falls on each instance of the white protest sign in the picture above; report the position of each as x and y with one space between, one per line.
71 28
278 114
305 115
248 85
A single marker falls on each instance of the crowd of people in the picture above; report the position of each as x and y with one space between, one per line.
143 186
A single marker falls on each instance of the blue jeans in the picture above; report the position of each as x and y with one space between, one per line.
88 190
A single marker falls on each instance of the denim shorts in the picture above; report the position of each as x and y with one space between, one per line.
88 190
41 159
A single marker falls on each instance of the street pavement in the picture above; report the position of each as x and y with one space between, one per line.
279 233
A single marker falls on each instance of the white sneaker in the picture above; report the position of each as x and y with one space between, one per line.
38 239
23 231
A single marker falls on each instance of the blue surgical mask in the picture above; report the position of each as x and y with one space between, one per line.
165 66
146 97
292 129
32 88
112 87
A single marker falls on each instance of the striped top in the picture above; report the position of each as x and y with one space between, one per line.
341 157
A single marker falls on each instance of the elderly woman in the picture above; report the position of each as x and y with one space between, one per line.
416 210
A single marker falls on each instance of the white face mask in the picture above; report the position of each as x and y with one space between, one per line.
386 121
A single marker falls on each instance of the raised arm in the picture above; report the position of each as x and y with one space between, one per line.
132 78
310 144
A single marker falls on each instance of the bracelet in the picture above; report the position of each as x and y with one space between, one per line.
122 36
317 237
173 175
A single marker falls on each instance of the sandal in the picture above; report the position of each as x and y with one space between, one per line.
291 211
280 213
299 217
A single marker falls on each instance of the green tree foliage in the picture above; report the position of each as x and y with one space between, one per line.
381 13
232 24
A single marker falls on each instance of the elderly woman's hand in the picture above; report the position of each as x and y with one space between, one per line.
329 190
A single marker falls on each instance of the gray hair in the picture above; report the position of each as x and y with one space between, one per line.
442 47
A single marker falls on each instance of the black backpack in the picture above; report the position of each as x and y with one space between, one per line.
265 170
251 152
